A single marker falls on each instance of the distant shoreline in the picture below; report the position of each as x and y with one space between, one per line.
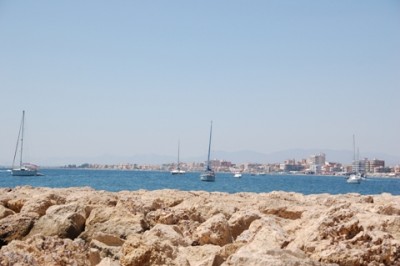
380 176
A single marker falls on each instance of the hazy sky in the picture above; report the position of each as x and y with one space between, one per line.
133 77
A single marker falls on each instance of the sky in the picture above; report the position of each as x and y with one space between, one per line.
135 77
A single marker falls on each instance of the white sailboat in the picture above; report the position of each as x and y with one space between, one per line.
208 174
237 174
23 169
356 177
178 170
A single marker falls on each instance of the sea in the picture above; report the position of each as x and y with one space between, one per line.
119 180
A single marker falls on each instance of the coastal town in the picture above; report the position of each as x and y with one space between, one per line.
314 164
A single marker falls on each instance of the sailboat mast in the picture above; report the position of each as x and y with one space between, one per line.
354 148
22 137
18 140
209 149
179 143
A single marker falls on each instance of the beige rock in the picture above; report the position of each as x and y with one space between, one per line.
105 251
4 212
171 227
40 250
206 255
241 221
65 221
15 227
40 203
108 262
214 231
16 204
115 221
158 246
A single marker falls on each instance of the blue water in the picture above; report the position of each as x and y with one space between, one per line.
151 180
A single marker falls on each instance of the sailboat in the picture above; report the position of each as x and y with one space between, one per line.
178 170
23 169
356 177
208 174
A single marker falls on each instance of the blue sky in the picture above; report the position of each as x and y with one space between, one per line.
133 77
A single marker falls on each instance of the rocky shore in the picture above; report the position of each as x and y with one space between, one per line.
82 226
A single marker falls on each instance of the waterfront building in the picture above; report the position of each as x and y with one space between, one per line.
316 162
375 164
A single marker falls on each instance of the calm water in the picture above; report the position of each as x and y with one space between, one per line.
134 180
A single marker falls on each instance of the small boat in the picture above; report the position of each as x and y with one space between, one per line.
354 179
24 169
208 175
237 174
178 170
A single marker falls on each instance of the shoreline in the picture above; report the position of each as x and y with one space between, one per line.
377 176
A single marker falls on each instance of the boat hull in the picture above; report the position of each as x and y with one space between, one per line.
177 172
208 177
354 179
23 172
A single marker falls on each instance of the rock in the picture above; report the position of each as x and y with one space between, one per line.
4 212
107 239
15 227
82 226
108 262
40 203
16 204
105 251
206 255
271 257
159 246
241 221
41 250
214 231
64 221
115 221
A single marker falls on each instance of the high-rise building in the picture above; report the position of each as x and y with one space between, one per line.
316 161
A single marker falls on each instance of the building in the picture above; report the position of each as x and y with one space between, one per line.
374 165
317 159
316 162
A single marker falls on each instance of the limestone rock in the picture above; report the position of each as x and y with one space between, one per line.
40 250
15 227
241 221
113 221
65 221
158 246
214 231
40 203
4 212
82 226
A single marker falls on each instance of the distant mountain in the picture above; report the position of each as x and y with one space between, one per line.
110 159
245 156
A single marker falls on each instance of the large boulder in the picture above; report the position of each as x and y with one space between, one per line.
158 246
15 227
64 221
113 221
41 250
40 203
215 231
